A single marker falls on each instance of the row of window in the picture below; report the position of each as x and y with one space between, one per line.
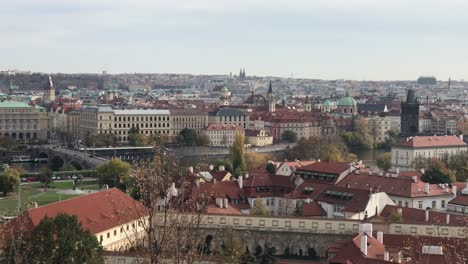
421 204
101 238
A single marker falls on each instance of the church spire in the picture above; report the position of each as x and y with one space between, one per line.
270 89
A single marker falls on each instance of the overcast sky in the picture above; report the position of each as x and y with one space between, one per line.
328 39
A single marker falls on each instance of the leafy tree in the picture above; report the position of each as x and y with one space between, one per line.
45 176
248 258
54 240
255 160
361 137
9 179
259 209
435 176
289 136
232 246
202 140
187 137
114 173
238 154
265 256
384 161
271 168
327 149
226 163
158 139
138 140
459 164
437 164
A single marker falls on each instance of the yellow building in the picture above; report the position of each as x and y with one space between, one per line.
258 137
23 122
105 120
188 118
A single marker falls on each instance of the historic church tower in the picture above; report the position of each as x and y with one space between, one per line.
409 115
50 93
271 99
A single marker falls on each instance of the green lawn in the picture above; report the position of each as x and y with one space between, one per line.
33 192
51 197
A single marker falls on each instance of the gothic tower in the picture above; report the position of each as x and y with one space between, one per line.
50 93
271 99
409 119
307 105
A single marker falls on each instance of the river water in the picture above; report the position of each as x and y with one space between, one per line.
368 156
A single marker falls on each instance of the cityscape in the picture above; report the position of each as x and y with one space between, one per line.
243 166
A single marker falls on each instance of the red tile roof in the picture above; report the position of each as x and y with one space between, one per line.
326 167
216 127
397 186
461 199
418 216
357 202
313 209
431 141
349 252
97 211
454 249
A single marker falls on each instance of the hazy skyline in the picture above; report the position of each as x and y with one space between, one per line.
326 39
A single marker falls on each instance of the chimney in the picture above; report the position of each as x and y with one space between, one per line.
423 171
364 244
400 211
246 175
214 180
426 187
211 167
190 169
397 171
226 203
386 256
454 190
221 167
415 178
432 250
365 228
427 215
447 219
407 139
240 181
461 137
318 160
380 237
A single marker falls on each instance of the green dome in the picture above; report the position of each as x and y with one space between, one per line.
224 89
347 101
326 103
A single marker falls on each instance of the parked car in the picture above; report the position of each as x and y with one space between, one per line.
74 177
31 179
53 178
24 179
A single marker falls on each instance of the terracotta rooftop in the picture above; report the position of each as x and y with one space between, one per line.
97 211
326 167
418 216
213 127
461 199
431 141
397 186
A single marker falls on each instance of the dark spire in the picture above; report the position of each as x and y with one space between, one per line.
270 90
307 99
240 74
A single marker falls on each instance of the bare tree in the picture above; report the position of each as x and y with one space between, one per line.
172 231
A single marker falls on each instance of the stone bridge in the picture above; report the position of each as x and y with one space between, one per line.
66 157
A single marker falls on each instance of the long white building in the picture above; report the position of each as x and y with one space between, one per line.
405 152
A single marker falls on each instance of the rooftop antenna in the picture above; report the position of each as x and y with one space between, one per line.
449 82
